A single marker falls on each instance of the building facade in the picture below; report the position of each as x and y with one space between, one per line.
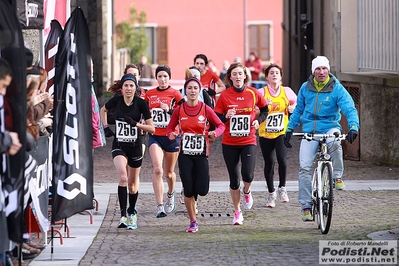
222 30
360 38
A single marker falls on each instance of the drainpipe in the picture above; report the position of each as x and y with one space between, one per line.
245 29
337 28
290 40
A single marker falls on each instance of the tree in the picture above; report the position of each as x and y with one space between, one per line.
133 37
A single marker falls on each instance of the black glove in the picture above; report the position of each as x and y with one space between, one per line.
287 138
352 134
130 121
211 92
108 132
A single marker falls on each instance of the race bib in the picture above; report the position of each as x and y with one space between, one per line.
193 144
275 122
125 132
160 118
240 125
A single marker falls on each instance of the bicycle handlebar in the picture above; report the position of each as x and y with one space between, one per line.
311 136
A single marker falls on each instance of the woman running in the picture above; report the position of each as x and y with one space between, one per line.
193 118
161 101
127 149
271 132
236 108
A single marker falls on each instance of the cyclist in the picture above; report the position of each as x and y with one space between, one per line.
320 100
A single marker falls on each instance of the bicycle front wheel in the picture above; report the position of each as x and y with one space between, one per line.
326 198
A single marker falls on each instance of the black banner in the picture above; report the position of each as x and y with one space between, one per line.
30 14
12 49
4 240
72 189
40 183
50 50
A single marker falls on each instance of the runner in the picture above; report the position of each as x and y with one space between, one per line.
193 118
208 78
236 108
161 100
127 151
271 132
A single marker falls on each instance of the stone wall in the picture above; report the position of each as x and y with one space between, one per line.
379 117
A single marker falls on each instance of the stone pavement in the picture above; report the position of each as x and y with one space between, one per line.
268 237
367 209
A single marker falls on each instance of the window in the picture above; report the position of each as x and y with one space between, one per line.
260 39
158 44
378 35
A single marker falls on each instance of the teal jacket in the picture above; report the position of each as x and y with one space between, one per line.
319 112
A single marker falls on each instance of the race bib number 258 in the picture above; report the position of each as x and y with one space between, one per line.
240 125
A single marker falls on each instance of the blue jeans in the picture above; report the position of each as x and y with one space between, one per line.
307 153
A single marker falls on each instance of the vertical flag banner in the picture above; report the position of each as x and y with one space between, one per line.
30 14
39 183
12 49
54 10
72 189
4 240
50 50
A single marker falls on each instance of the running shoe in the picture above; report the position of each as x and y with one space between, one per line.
132 221
170 205
248 200
339 184
122 222
193 227
238 218
271 200
282 193
181 198
161 211
307 215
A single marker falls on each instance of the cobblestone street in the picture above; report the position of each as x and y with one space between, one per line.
268 237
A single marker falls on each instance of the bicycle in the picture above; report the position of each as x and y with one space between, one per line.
322 179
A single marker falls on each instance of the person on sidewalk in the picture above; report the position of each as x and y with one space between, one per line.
162 100
146 72
320 100
127 149
254 65
281 101
236 108
9 141
193 118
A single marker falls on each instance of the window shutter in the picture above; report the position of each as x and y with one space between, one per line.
162 45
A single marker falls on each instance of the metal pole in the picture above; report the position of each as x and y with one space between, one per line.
339 41
245 29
